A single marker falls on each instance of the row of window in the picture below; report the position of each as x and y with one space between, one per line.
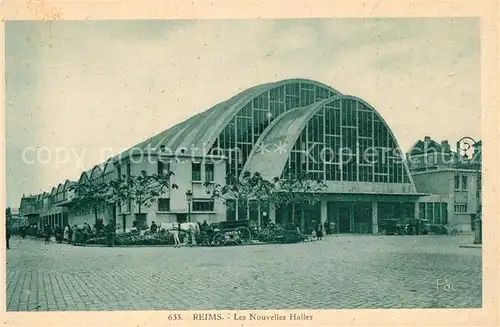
197 205
460 208
460 182
196 171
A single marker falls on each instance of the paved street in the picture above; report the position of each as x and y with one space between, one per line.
338 272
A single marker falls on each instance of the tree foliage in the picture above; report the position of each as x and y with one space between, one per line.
298 189
142 189
91 195
249 187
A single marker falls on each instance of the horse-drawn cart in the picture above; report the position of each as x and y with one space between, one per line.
232 232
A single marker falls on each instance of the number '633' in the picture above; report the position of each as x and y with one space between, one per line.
174 316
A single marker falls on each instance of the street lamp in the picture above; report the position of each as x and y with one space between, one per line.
189 198
464 145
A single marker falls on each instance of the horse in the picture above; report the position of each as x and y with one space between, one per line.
191 228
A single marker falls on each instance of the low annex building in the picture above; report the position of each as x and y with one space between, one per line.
294 125
453 183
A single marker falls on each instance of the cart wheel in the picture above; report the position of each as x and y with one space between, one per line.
219 239
245 235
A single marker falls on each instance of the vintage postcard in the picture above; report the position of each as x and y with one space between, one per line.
234 164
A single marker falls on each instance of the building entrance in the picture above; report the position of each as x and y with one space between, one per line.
350 217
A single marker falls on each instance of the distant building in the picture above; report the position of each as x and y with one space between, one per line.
450 180
14 219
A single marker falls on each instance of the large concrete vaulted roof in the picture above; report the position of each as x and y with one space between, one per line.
202 130
273 147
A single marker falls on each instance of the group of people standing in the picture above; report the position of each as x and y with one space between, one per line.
68 234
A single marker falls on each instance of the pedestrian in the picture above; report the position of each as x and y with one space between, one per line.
327 227
319 232
66 236
154 227
58 234
87 232
47 233
23 232
192 232
204 226
110 229
313 235
7 236
74 232
175 232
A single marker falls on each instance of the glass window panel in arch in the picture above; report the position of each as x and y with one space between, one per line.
321 93
315 129
380 161
306 96
406 179
349 140
365 123
379 133
291 102
276 108
331 149
273 94
398 172
260 120
292 89
392 168
348 113
349 171
332 172
277 94
366 151
246 111
365 173
244 150
314 157
307 86
243 124
230 136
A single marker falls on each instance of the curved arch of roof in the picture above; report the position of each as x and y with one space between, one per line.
109 167
60 188
83 177
287 129
95 172
53 191
66 184
203 129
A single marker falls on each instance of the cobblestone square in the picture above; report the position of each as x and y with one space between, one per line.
338 272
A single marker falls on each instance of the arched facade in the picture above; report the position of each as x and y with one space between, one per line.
242 130
280 129
340 139
108 172
95 174
84 177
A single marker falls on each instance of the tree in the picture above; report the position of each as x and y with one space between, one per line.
142 189
91 195
249 188
297 189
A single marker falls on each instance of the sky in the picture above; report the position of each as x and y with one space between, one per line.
78 92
